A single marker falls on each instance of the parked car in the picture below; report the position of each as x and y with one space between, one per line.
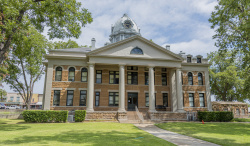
13 107
2 106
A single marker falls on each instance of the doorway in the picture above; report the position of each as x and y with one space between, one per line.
132 101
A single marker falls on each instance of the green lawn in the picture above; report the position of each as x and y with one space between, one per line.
219 133
16 132
240 120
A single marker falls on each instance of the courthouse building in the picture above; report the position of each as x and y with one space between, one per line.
127 73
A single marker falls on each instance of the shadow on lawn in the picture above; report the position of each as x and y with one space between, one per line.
88 138
229 130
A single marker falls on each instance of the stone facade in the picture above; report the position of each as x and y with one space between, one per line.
239 109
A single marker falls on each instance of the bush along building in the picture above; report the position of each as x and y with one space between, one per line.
126 74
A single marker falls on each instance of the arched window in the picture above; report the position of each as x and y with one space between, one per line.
190 78
136 50
58 76
84 74
71 74
200 79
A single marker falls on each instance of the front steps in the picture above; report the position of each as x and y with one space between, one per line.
132 118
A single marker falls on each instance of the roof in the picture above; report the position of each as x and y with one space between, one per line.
81 50
228 102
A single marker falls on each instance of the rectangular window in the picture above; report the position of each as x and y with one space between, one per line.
98 76
147 99
198 60
56 98
188 59
225 109
202 102
163 69
83 96
132 68
146 78
133 78
243 111
191 99
97 98
165 99
237 111
164 78
70 95
113 98
114 77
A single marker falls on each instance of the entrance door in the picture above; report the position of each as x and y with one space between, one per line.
132 101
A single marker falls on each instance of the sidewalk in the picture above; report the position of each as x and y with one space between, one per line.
172 137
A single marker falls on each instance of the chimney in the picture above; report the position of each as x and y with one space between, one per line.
92 44
168 47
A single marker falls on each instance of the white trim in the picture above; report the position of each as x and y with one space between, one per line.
68 106
201 92
147 91
164 91
84 67
113 90
56 88
70 67
70 88
190 91
58 66
133 91
82 88
194 107
98 90
71 81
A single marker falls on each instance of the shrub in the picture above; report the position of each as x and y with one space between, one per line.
80 115
215 116
40 116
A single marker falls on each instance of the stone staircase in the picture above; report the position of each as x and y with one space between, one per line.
134 119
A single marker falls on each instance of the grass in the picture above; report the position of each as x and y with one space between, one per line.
240 120
228 134
16 132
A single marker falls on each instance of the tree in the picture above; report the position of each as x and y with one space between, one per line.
232 24
2 93
226 77
64 45
64 18
25 66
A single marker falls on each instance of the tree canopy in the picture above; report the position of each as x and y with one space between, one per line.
25 66
64 45
64 19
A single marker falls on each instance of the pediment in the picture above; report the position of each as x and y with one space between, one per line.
123 49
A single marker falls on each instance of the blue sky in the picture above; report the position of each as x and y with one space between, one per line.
182 24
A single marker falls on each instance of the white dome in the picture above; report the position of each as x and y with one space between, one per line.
124 28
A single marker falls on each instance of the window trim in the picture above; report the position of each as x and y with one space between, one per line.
86 76
136 48
114 79
85 98
54 97
69 74
192 78
56 73
113 96
96 76
132 79
72 98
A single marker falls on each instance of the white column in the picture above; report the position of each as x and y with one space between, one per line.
90 93
49 77
121 88
44 87
173 90
179 91
208 96
151 92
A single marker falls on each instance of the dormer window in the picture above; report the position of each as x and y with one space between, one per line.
188 59
198 60
136 50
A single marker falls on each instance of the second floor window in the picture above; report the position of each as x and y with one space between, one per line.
200 79
84 74
133 78
58 76
99 76
114 77
164 78
71 74
190 78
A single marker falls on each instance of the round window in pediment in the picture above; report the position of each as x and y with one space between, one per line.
136 50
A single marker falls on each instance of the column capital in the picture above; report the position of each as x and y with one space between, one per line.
90 63
122 64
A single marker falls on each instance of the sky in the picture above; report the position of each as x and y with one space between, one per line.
182 24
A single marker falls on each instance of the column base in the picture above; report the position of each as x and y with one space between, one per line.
181 111
121 110
89 110
152 111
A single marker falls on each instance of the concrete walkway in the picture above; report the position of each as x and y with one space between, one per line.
172 137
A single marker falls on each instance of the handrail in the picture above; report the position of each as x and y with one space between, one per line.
139 114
